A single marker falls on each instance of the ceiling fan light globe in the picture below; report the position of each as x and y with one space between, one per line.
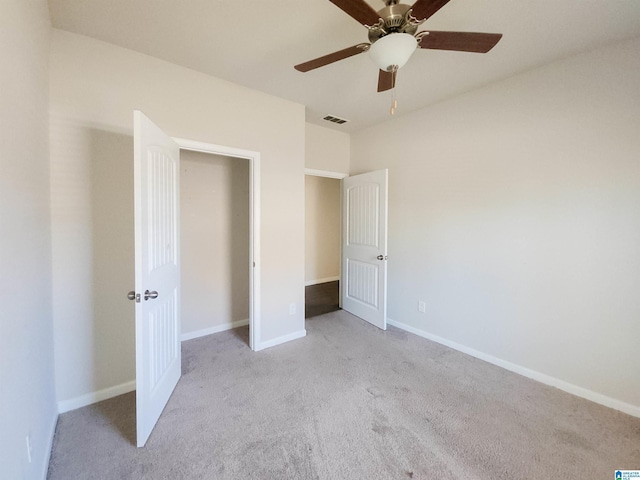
392 51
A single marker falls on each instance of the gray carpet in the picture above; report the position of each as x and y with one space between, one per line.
347 402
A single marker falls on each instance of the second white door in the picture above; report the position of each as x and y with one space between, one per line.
364 246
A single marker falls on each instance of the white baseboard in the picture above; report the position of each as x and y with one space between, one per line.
526 372
321 280
212 330
280 340
94 397
47 459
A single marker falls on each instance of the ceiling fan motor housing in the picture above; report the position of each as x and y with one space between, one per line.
394 18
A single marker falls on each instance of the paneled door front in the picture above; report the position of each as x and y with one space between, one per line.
157 271
364 246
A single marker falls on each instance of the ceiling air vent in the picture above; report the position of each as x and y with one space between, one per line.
331 118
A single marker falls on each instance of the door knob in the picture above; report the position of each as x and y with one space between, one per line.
381 257
150 295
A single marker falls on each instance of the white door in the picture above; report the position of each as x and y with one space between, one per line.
364 246
157 271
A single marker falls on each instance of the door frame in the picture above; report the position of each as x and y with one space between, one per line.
254 224
339 176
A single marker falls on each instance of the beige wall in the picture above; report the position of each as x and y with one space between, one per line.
326 149
214 241
27 390
94 89
322 229
515 214
92 244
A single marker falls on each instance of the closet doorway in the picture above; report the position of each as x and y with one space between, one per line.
214 204
220 210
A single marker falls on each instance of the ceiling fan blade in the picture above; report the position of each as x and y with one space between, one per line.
386 80
359 10
423 9
460 41
332 57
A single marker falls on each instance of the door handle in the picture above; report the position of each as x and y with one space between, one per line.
150 295
381 257
133 296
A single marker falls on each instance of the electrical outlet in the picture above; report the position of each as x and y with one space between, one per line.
29 447
422 307
292 309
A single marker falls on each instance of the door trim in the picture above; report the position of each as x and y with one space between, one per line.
254 224
325 173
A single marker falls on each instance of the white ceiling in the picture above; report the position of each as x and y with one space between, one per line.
256 43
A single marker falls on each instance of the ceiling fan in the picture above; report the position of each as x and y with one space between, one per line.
393 37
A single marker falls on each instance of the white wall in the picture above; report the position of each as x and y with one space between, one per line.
515 214
322 229
27 395
214 241
92 244
94 89
326 149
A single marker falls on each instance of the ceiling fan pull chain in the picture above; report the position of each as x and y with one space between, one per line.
394 102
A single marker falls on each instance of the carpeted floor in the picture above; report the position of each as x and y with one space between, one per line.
347 402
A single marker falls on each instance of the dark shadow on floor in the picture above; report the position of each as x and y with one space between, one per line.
119 413
321 298
243 334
